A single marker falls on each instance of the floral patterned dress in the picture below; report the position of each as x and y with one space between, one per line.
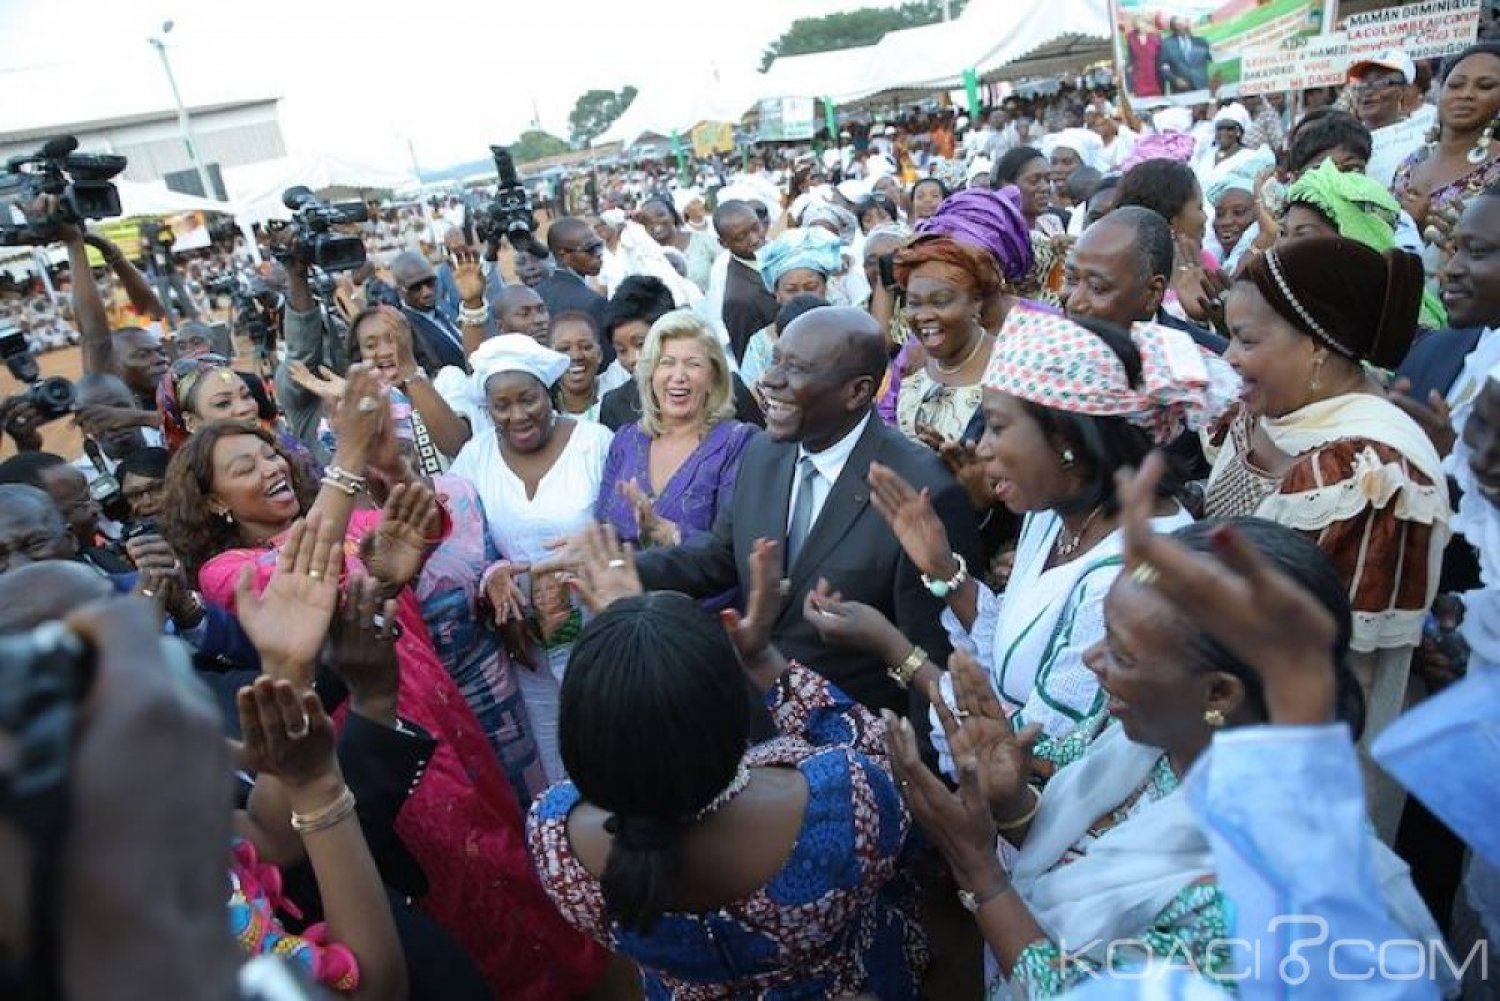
838 919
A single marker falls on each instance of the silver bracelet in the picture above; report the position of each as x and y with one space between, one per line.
473 317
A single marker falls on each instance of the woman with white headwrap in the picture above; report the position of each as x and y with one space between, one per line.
849 287
537 474
1228 155
1241 221
798 262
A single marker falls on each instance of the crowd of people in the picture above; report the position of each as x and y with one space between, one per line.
1041 559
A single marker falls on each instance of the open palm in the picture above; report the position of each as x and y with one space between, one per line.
288 621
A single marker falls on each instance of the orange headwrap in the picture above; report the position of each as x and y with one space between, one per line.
972 270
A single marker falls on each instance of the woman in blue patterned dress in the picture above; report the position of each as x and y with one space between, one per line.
771 873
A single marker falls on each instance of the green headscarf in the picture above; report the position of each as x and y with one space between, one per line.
1363 211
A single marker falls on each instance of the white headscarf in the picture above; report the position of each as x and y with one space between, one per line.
514 353
1234 114
1085 142
1478 519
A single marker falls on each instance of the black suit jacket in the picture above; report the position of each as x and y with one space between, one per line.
562 291
1434 362
622 405
1202 336
850 544
432 346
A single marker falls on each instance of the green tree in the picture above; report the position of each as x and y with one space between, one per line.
852 28
596 111
535 144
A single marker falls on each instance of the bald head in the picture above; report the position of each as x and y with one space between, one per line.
825 370
41 592
852 336
31 528
520 310
416 279
575 246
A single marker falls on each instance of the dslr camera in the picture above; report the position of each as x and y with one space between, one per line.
52 397
314 219
509 216
81 182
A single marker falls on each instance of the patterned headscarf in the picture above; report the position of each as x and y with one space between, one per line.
1176 146
1053 362
1361 210
174 393
990 221
827 212
811 247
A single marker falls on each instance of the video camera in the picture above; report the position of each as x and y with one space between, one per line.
157 240
52 397
313 220
79 180
509 216
250 315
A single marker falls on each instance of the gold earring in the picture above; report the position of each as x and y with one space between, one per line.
1213 718
1316 383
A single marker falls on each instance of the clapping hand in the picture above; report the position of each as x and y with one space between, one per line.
1434 417
285 733
328 386
652 526
1257 612
912 520
289 620
962 459
853 624
361 418
605 572
395 553
751 632
362 649
979 730
162 576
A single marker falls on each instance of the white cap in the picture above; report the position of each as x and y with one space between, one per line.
1390 59
890 130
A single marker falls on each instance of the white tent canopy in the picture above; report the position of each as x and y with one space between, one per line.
719 97
257 187
157 199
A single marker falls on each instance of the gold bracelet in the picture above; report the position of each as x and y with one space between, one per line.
903 672
336 812
329 481
1025 818
348 479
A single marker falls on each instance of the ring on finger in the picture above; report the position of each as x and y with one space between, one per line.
616 564
315 574
367 404
1145 575
146 592
961 714
299 729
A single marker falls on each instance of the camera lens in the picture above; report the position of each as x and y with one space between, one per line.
55 395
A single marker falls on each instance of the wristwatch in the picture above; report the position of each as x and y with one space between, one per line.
943 588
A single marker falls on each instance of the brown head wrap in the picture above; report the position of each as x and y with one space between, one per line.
972 270
1352 300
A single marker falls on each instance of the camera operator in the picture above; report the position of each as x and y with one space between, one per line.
312 336
157 239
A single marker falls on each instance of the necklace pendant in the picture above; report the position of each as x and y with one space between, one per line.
1478 154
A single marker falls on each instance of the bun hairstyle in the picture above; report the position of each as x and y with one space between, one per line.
1358 303
1293 554
654 721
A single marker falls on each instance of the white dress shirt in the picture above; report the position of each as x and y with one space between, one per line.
829 463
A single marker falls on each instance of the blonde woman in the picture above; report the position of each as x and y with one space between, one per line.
668 473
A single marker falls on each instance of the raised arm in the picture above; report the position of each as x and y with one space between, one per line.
142 296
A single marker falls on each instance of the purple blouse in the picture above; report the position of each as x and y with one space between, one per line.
702 485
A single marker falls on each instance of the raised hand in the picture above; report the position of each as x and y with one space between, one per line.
1240 599
605 571
396 552
751 632
468 276
504 594
361 417
161 574
853 624
962 459
1434 417
327 385
289 620
653 527
362 649
285 733
979 730
913 521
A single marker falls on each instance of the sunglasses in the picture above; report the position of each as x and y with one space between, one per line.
592 249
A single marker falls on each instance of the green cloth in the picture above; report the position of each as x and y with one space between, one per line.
1363 211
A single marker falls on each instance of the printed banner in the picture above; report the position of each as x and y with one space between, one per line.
1425 30
786 118
712 137
1178 51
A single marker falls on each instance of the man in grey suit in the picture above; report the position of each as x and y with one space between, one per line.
1184 58
803 485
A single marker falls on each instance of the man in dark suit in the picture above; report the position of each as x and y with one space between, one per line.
1184 58
437 340
803 484
578 252
1120 271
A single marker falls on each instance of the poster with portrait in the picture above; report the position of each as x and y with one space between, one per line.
1183 51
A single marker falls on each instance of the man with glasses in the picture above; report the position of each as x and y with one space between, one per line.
1380 88
579 254
438 340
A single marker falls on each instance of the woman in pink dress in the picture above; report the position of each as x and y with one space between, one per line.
1143 59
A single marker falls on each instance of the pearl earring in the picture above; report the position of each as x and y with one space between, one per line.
1067 458
1213 718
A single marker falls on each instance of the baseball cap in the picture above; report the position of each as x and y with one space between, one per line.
1390 59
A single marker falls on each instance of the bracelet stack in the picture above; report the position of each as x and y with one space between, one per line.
903 672
473 317
1025 818
342 479
340 810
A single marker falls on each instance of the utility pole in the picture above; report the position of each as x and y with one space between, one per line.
184 123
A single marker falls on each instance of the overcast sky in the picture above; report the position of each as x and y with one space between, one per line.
361 79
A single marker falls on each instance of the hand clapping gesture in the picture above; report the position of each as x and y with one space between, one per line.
289 620
655 529
913 521
468 276
751 632
962 459
286 733
979 729
605 569
363 649
328 386
394 554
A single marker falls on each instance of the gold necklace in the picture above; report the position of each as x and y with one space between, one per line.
1066 547
946 370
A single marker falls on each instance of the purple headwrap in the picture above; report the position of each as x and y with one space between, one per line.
991 221
1176 146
